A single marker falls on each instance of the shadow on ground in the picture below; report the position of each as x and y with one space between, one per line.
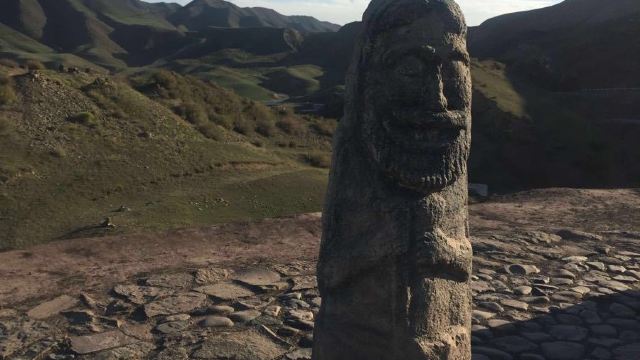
599 328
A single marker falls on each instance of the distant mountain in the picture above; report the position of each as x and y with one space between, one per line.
201 14
120 33
576 44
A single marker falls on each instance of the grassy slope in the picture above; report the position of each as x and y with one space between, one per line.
20 47
13 40
123 12
490 79
60 178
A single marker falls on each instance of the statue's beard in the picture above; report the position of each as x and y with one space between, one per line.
422 159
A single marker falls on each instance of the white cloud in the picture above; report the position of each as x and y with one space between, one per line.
344 11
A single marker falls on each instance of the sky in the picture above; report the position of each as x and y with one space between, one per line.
345 11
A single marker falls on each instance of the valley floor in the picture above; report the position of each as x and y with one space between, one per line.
557 276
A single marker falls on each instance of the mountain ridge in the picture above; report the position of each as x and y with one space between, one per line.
117 34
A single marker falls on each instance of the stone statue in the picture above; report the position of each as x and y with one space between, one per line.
395 259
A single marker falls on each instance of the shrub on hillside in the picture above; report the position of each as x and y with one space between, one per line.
5 126
7 94
291 125
84 118
265 128
318 160
243 126
256 111
325 127
58 151
165 79
193 113
222 120
211 131
34 65
9 63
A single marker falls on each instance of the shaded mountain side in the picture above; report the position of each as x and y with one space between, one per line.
256 41
331 51
133 12
26 16
577 44
525 136
200 14
144 44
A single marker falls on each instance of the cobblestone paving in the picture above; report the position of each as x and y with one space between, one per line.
561 296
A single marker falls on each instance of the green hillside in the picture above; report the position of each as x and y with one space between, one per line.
177 152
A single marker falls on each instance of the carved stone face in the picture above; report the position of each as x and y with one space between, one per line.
416 85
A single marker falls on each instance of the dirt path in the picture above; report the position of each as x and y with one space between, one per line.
69 266
99 263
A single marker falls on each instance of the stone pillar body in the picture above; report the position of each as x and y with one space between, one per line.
395 259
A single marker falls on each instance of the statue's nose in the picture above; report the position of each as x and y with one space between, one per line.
434 90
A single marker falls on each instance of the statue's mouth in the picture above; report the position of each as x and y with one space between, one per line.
417 129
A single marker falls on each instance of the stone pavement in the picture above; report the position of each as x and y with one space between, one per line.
569 295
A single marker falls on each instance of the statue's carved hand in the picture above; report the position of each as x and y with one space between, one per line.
443 256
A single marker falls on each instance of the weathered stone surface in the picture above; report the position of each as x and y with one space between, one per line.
226 291
481 287
216 321
273 310
177 304
52 307
622 311
211 275
244 316
140 294
173 353
482 316
563 273
94 343
141 332
523 290
132 351
395 252
514 344
172 281
258 277
572 234
597 265
601 354
79 317
515 304
576 259
173 327
613 285
304 283
301 354
520 269
300 315
628 352
569 332
492 353
562 350
248 345
8 313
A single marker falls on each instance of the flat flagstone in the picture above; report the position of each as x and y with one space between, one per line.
226 291
93 343
258 277
177 304
248 345
52 307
